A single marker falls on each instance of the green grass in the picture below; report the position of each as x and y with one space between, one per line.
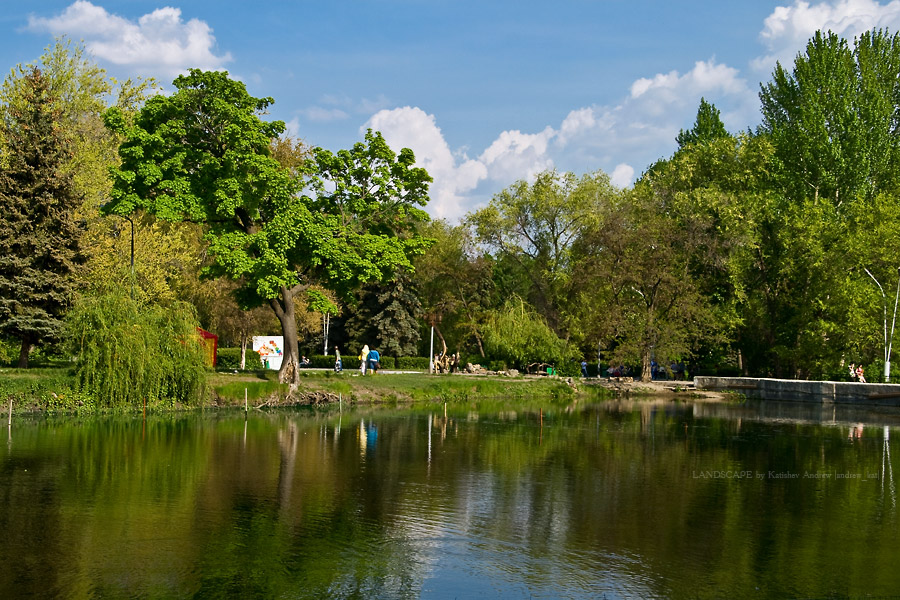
53 389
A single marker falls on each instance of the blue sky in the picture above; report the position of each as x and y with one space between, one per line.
485 93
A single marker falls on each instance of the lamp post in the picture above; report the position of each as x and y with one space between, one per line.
132 252
127 218
888 340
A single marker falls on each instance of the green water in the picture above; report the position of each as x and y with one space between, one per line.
644 499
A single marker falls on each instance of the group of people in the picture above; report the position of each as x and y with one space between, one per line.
369 360
857 373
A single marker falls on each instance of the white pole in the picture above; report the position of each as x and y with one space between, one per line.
431 353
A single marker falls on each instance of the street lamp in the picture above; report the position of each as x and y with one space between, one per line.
888 341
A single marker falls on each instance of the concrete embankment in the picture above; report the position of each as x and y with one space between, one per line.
821 392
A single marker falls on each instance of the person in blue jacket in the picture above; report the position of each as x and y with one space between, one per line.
374 357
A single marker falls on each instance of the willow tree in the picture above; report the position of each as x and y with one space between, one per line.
203 154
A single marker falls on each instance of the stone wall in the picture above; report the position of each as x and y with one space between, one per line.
823 392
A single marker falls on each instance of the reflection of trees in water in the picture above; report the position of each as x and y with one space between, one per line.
608 493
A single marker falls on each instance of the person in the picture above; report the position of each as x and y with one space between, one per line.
852 371
304 362
338 363
860 374
583 368
363 359
374 357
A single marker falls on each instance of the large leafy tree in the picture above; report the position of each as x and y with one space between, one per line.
531 229
834 126
39 235
203 154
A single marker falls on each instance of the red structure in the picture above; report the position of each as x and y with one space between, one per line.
210 343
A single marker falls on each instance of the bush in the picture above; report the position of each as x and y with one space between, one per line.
229 359
127 352
496 365
412 363
321 361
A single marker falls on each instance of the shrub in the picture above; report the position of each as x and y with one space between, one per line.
412 363
229 359
496 365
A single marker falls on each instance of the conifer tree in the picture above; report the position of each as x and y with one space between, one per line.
39 236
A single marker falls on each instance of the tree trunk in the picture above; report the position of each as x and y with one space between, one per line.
24 351
646 369
443 341
290 363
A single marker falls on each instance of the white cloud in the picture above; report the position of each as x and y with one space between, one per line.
622 176
454 176
515 155
787 30
159 41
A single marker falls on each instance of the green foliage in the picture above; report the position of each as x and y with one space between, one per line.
39 235
518 335
126 352
707 128
412 363
204 154
533 230
832 118
229 359
388 314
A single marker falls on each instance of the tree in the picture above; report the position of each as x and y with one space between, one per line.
454 284
387 317
531 229
708 126
39 236
518 335
203 154
834 119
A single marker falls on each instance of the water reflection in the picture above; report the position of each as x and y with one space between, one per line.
623 499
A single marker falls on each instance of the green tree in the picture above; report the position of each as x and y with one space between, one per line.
39 236
454 283
833 119
518 335
708 126
387 317
531 230
203 154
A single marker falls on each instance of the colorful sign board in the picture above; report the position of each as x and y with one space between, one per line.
270 350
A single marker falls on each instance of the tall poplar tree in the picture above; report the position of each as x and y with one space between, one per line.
39 236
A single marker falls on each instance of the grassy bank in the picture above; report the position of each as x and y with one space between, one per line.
52 390
386 388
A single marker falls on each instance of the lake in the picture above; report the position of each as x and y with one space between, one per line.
519 499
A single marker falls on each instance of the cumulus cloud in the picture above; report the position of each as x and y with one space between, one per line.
160 42
642 127
515 155
454 175
622 175
788 28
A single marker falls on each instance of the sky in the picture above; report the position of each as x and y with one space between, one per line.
486 92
